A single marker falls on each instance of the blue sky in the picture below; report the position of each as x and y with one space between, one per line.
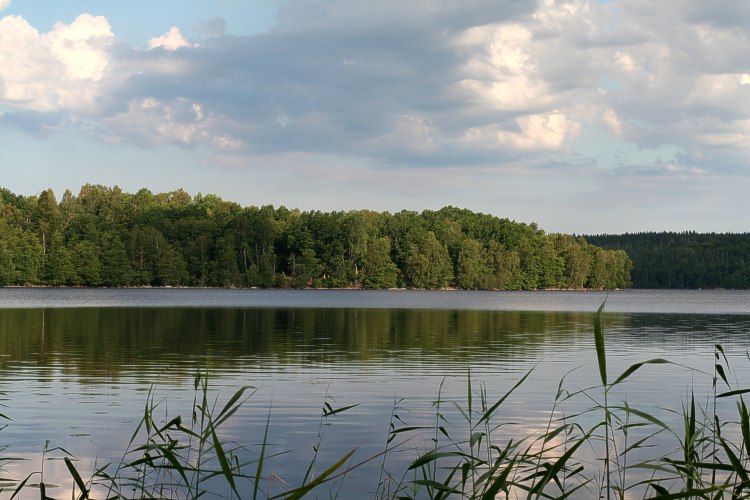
582 116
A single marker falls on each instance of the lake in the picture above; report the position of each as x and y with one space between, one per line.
77 365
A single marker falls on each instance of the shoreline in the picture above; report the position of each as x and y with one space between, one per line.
449 289
354 289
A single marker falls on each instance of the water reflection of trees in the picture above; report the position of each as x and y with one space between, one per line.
102 342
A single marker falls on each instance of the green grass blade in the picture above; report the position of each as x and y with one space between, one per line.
76 477
599 341
231 407
442 488
692 493
560 463
259 470
640 413
300 492
20 486
732 393
498 483
633 368
737 466
176 465
223 461
745 426
410 428
494 407
431 456
720 371
661 490
329 410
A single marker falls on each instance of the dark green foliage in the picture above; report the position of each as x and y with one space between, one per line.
427 263
106 237
684 260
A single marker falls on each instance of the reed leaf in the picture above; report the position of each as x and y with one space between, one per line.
21 485
635 367
720 371
642 414
491 410
323 477
499 483
259 469
329 411
76 477
692 493
737 467
558 466
733 393
744 425
443 488
601 358
431 456
222 457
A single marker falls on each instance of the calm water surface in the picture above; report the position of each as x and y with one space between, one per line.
76 365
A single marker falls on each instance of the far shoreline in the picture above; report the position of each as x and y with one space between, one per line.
355 289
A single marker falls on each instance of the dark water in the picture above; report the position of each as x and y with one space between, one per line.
76 365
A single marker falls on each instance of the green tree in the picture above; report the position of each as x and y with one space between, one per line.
504 267
226 272
47 219
471 273
59 268
116 269
305 268
428 264
378 270
85 256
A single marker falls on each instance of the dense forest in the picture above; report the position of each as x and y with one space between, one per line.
107 237
684 260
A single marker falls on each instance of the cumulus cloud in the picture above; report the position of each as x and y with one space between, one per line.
52 71
503 72
471 81
4 4
171 40
541 132
181 121
410 135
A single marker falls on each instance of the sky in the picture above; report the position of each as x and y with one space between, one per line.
582 116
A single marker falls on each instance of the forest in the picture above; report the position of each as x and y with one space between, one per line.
684 260
107 237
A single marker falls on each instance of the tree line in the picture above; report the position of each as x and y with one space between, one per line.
684 260
106 237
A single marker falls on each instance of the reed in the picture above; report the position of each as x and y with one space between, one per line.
470 450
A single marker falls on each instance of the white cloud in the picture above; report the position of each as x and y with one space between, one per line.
446 81
153 121
4 4
58 70
178 121
613 122
410 134
171 40
547 132
536 132
81 47
502 69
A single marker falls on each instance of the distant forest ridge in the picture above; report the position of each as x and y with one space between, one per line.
106 237
684 260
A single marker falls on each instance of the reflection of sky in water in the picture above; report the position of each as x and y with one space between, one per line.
80 377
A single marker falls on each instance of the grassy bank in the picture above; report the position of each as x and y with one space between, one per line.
607 450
